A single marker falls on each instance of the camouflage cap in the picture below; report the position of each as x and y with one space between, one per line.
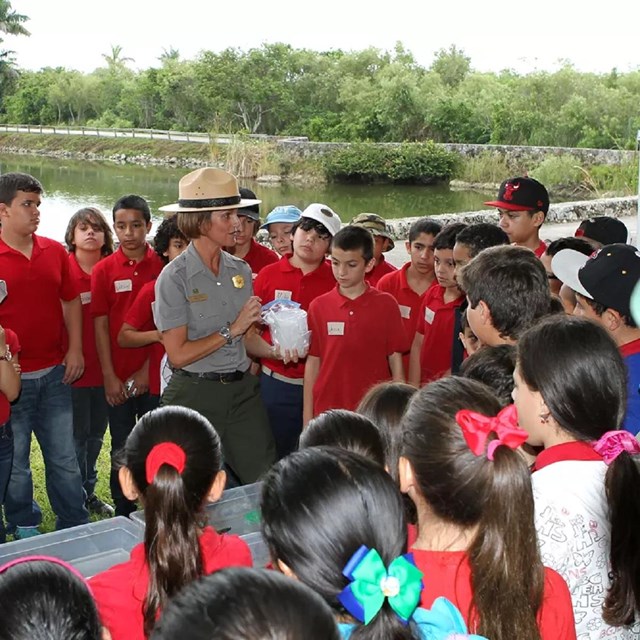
376 224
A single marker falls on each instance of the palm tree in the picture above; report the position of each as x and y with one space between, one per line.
115 60
169 55
10 21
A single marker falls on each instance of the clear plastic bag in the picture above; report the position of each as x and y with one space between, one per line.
288 325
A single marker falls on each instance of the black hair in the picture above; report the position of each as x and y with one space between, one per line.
599 309
95 218
471 492
173 501
556 305
42 600
309 224
585 392
354 238
494 367
247 604
133 202
345 430
424 225
570 242
446 239
166 232
319 506
513 283
11 183
482 235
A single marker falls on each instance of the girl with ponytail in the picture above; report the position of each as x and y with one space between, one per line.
476 536
172 462
570 394
335 521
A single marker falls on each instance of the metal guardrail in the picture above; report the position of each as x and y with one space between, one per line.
152 134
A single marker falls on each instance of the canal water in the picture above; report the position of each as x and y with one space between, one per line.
72 184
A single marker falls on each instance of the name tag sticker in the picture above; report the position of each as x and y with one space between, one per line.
335 328
85 297
429 315
282 295
123 285
198 297
405 311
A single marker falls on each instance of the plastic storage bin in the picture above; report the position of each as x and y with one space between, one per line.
90 548
237 511
258 548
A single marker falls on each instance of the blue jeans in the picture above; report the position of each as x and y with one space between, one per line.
122 419
6 458
283 402
90 414
44 408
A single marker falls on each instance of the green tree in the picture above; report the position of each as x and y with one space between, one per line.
116 62
452 65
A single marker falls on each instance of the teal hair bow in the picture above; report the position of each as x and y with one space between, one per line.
372 583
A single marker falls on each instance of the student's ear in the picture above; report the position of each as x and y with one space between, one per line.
128 486
485 313
405 475
217 486
285 570
407 246
538 218
149 227
370 265
612 320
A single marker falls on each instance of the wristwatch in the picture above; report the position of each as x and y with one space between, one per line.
225 332
7 355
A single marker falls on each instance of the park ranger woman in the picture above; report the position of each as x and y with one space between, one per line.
206 311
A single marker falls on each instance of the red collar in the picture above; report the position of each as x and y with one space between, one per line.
631 348
576 450
148 253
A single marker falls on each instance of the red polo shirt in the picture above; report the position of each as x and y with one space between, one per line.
381 269
35 288
353 339
542 247
14 347
436 320
575 450
120 592
284 281
115 283
408 301
259 257
92 376
140 317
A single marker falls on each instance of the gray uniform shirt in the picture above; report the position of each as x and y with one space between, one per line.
189 293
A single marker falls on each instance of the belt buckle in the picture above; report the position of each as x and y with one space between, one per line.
223 379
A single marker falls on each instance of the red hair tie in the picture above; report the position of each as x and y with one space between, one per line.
476 428
164 453
613 443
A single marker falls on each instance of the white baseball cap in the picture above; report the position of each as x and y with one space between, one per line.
325 215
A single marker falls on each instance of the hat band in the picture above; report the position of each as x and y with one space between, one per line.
209 202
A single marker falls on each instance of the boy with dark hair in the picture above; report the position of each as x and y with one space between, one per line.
256 255
577 244
409 284
603 230
494 367
432 345
523 204
603 284
357 336
115 283
382 242
300 277
507 292
42 301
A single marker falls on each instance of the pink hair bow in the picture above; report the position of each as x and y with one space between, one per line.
613 443
476 428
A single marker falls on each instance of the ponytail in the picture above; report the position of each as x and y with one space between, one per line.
507 575
622 484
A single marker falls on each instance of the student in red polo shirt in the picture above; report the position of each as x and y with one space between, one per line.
138 328
523 204
256 255
357 336
88 239
433 341
115 283
173 463
41 301
302 277
409 284
382 242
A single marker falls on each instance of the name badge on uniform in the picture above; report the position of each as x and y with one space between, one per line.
85 297
123 285
429 315
405 311
3 290
335 328
198 297
282 295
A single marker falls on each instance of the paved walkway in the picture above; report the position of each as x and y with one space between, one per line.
551 231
